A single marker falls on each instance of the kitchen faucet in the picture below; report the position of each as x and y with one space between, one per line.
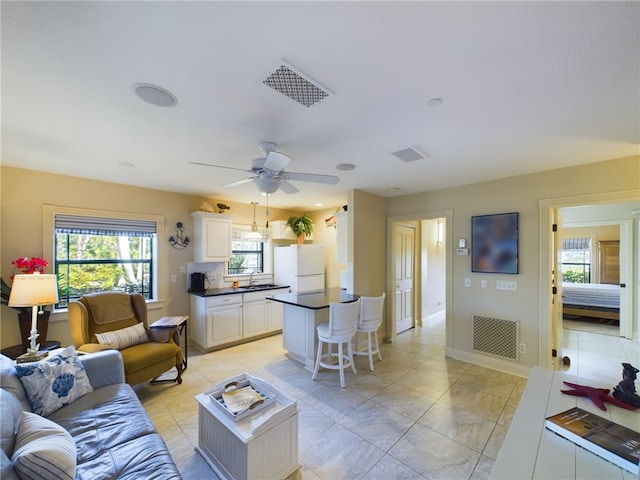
251 280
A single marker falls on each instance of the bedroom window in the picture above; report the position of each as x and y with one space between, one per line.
576 260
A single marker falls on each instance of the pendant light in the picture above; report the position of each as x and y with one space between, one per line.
254 234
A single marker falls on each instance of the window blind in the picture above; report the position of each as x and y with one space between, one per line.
579 244
239 233
76 224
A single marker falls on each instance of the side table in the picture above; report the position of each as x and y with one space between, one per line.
15 351
179 324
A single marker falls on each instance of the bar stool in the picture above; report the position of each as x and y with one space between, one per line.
369 321
343 319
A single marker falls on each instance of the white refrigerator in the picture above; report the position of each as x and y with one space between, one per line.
299 266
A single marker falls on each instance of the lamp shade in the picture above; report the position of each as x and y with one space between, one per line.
33 290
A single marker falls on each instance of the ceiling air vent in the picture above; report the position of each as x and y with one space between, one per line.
295 86
409 155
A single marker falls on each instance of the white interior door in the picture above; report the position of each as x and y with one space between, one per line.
404 253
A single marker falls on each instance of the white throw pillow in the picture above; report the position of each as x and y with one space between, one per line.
54 383
124 337
43 450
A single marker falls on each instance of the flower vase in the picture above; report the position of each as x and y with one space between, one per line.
24 319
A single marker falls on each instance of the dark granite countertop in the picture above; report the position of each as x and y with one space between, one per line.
315 300
214 292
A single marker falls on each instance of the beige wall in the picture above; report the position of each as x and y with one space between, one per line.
369 242
25 191
433 271
601 233
517 194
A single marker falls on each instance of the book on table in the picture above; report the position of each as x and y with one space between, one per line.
239 400
607 439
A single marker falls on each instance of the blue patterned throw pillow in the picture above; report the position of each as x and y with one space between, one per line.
54 383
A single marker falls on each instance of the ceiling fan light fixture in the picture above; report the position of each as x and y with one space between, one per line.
268 185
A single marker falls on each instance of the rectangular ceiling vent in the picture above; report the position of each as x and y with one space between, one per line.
409 155
295 86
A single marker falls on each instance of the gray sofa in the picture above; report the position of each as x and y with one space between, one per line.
114 437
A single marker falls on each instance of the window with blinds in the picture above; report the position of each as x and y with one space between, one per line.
95 254
576 260
247 250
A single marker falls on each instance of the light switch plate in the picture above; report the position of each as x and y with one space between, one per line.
506 285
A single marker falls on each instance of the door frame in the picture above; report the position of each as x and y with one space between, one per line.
418 217
546 207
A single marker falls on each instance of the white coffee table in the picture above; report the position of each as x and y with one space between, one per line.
262 445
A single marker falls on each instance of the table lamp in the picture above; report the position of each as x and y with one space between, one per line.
33 291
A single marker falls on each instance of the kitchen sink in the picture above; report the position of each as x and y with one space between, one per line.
264 286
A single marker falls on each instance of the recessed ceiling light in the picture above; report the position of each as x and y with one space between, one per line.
318 204
393 189
345 166
434 102
126 164
155 95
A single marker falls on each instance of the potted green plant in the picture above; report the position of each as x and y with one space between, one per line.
301 226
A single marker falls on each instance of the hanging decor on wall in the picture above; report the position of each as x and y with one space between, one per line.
494 243
179 241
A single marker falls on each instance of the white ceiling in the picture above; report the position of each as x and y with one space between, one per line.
526 86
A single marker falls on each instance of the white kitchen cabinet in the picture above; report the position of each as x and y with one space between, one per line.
216 320
261 315
254 314
230 319
212 237
281 231
275 311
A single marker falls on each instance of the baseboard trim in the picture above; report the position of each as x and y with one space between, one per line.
489 362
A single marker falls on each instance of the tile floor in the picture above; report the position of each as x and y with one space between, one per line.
599 356
418 415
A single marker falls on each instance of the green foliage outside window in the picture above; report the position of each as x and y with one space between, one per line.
94 263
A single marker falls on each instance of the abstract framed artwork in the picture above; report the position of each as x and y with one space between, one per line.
494 243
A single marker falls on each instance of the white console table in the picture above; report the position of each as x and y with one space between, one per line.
531 451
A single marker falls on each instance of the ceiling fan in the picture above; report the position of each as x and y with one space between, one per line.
268 173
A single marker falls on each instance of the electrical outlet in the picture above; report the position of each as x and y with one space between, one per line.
467 282
182 269
523 348
483 283
173 279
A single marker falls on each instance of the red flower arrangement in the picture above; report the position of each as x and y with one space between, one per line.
28 265
25 266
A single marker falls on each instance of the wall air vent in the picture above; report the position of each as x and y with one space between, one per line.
295 86
496 336
409 155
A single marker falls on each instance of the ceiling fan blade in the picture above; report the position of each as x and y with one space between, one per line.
221 166
276 161
286 187
239 182
310 177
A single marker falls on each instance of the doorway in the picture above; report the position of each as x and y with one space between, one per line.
432 230
617 209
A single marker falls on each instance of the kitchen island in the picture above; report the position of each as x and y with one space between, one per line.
303 312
